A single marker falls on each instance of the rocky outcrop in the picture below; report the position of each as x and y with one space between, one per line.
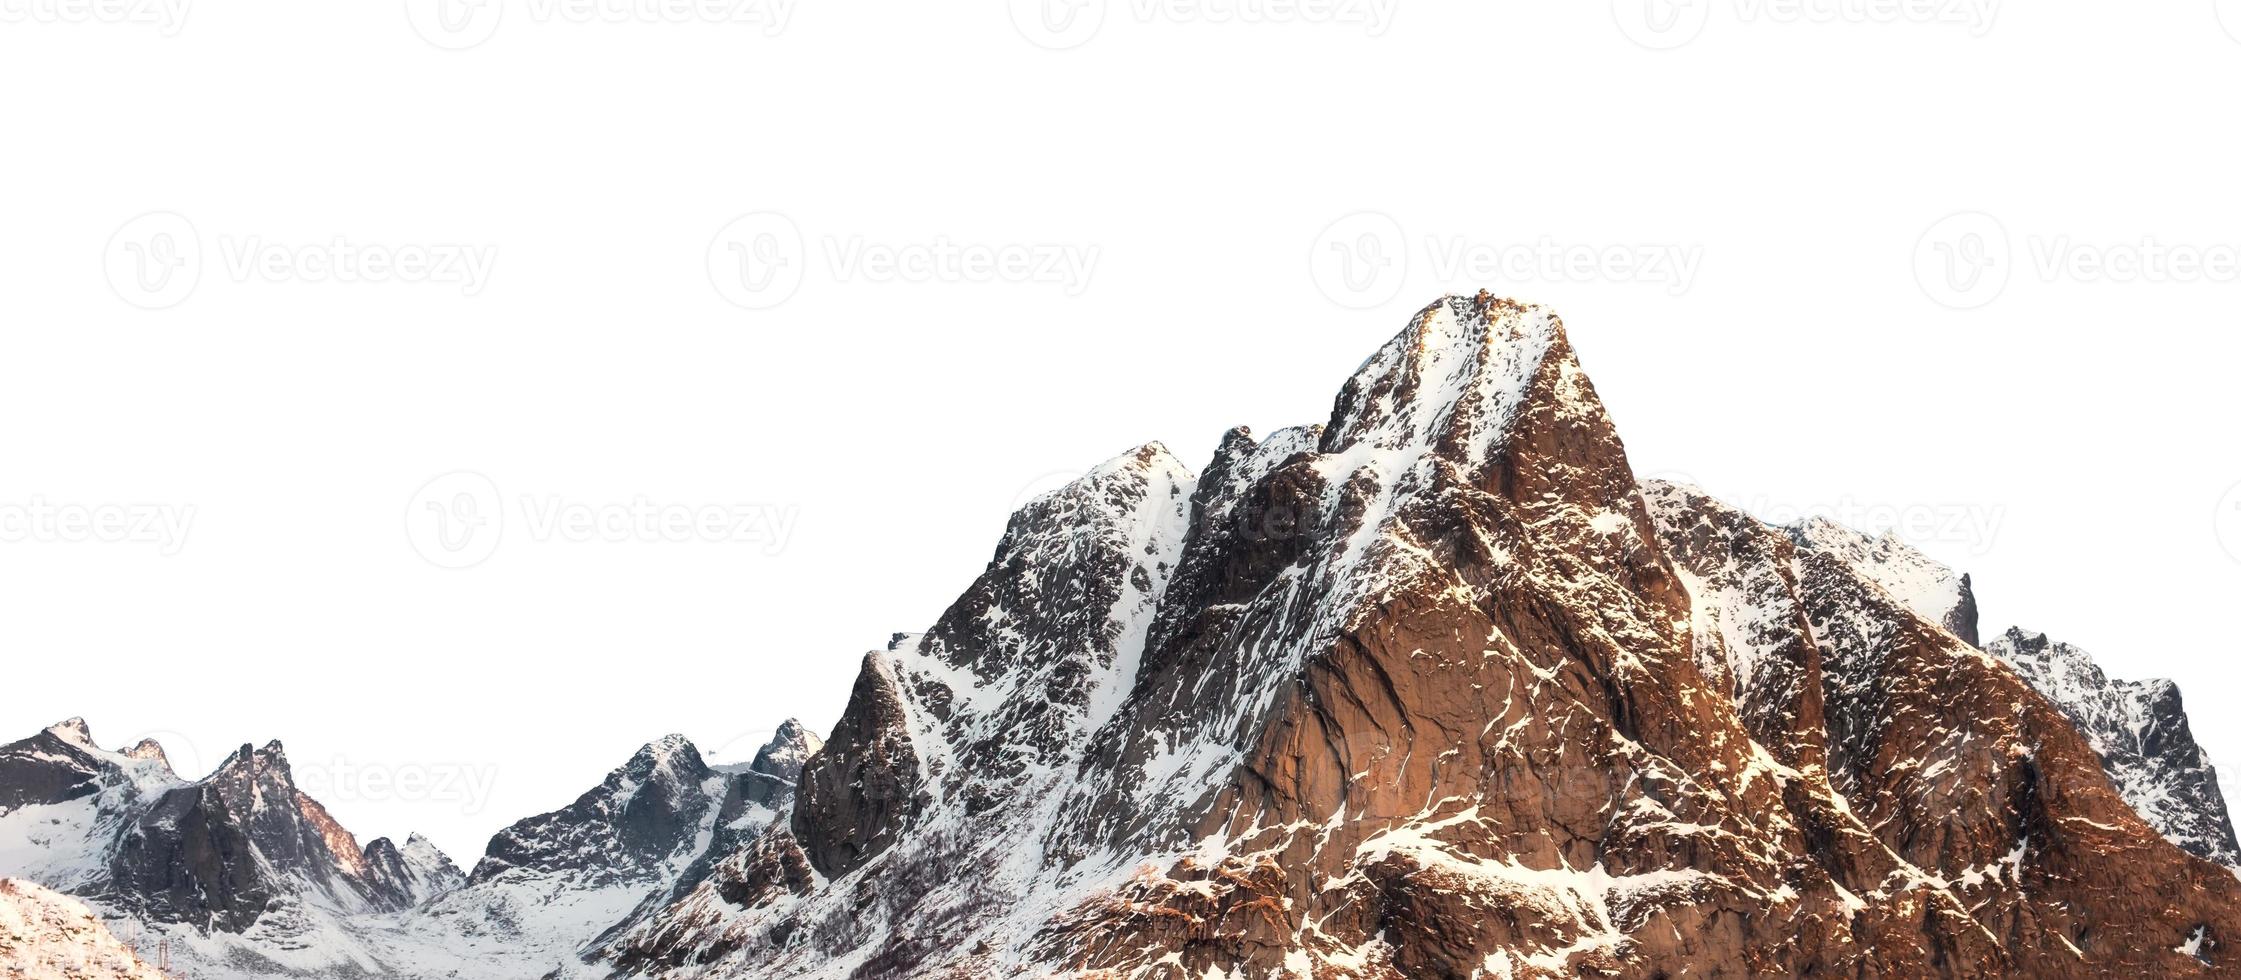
2140 730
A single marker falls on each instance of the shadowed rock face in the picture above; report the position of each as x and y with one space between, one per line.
625 829
411 875
51 767
222 851
220 854
1436 690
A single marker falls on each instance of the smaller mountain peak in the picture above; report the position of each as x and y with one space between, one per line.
667 746
251 761
674 754
75 731
1151 457
787 751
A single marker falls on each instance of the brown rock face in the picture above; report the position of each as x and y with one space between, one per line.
1436 690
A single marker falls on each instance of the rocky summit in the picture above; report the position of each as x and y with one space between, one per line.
1436 688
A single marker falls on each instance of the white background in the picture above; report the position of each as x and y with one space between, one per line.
2083 425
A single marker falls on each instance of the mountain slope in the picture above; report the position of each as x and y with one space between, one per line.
46 936
2140 730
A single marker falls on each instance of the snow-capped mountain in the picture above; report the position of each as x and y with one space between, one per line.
1434 689
46 936
551 884
243 873
2140 729
249 878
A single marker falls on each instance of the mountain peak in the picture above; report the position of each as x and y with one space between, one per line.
74 731
667 752
1452 380
787 751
